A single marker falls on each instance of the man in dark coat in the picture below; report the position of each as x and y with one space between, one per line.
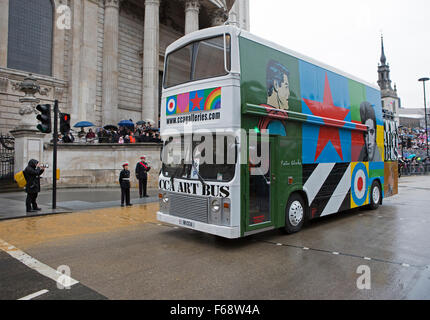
142 169
32 176
124 182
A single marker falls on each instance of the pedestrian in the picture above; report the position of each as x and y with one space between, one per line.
124 182
32 176
142 169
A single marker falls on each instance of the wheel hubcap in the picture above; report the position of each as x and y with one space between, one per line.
375 195
295 214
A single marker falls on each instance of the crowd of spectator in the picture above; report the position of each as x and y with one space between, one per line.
412 142
113 134
413 148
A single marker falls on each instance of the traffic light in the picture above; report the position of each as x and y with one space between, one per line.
44 117
64 123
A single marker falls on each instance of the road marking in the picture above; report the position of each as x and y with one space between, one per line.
34 264
407 265
34 295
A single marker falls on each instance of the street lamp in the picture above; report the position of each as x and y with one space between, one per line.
423 80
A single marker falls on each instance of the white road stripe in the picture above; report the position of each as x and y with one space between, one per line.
32 263
339 194
34 295
317 179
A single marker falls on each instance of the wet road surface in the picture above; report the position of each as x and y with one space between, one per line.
124 253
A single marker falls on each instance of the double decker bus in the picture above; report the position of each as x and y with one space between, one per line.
319 134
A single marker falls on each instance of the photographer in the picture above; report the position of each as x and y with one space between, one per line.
32 176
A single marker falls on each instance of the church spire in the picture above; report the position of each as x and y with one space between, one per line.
384 81
383 58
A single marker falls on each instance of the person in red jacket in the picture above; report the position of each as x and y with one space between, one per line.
142 169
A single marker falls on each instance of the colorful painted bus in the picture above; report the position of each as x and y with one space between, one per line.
324 131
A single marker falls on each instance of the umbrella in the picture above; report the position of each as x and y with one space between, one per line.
412 156
126 123
84 124
110 127
140 122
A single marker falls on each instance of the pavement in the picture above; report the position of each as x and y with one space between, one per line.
125 253
12 205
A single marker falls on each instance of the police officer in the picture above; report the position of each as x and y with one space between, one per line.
32 175
142 169
124 182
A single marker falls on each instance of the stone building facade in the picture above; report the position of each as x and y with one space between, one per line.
102 59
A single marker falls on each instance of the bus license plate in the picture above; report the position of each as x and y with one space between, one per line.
186 223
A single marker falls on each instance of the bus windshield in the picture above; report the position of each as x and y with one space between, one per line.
198 60
193 162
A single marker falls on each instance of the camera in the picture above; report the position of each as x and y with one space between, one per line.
44 165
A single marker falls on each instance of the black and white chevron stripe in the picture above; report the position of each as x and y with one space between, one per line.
328 186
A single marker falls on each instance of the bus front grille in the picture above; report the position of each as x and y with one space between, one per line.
189 207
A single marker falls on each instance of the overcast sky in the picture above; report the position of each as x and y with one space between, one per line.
346 34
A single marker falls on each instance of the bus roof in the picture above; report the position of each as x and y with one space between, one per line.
209 32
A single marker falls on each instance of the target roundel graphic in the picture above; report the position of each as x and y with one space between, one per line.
359 186
171 105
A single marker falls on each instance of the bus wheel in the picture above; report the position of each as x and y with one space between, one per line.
375 195
294 214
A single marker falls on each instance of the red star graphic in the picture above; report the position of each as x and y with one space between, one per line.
328 111
196 102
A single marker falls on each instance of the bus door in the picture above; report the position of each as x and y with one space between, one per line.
260 209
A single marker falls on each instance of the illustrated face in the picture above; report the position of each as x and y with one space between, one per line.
283 92
371 139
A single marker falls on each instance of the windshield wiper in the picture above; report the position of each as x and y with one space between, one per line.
198 174
172 178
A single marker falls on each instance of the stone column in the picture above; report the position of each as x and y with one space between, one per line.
4 27
110 62
84 60
74 86
239 14
192 8
151 53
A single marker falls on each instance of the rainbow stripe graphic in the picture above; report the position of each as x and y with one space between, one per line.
194 101
213 100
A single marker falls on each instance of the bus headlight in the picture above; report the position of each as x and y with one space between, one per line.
215 211
164 202
215 206
165 198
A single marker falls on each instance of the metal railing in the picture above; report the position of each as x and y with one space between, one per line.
414 169
7 158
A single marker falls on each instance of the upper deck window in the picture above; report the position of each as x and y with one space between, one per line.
199 60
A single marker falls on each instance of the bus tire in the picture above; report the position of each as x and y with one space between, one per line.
375 195
295 213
